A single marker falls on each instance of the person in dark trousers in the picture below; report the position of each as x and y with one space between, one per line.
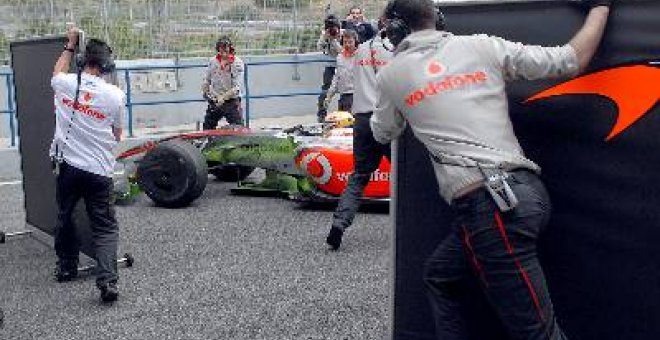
343 82
89 114
370 57
450 90
329 44
221 86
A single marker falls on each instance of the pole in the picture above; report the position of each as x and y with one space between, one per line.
10 108
129 103
247 94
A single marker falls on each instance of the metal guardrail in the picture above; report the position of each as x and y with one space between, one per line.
10 109
247 97
130 104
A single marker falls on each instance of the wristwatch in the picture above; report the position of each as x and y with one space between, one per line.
66 48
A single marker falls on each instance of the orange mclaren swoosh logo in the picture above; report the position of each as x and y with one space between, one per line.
635 89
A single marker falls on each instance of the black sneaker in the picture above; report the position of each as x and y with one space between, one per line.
64 274
334 238
109 292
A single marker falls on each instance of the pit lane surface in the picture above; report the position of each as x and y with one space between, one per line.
229 267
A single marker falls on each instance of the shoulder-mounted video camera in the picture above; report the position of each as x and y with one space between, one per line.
332 24
397 28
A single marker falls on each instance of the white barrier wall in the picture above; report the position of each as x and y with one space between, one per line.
184 84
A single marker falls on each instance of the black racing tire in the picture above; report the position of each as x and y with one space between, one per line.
231 173
173 174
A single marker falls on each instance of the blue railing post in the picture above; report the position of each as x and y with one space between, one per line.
247 94
10 108
129 102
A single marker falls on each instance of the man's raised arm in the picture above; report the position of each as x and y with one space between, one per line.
586 40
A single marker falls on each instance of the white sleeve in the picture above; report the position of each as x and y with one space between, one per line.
120 113
332 90
322 43
207 74
61 82
519 61
387 123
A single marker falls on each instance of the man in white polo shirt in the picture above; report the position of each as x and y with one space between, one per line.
88 121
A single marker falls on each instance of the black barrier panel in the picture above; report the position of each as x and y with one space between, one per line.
32 64
600 253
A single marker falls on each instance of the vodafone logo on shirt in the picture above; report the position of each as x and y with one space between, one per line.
435 68
86 98
443 83
84 106
372 60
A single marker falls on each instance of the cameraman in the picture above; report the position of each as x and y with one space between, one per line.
356 21
88 120
221 86
450 89
329 44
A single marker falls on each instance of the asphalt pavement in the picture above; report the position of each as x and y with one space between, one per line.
228 267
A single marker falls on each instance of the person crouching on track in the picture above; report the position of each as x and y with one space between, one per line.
88 120
221 86
342 82
370 57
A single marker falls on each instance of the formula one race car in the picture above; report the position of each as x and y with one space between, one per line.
305 163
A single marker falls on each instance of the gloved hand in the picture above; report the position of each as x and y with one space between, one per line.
596 3
220 99
209 98
229 94
327 100
73 34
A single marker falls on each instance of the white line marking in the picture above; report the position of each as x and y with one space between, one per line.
2 184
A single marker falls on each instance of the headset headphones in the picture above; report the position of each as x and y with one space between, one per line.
97 53
226 44
396 27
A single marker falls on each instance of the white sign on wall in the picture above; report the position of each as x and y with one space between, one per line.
153 81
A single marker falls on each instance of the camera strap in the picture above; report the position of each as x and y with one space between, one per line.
59 151
373 55
58 158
